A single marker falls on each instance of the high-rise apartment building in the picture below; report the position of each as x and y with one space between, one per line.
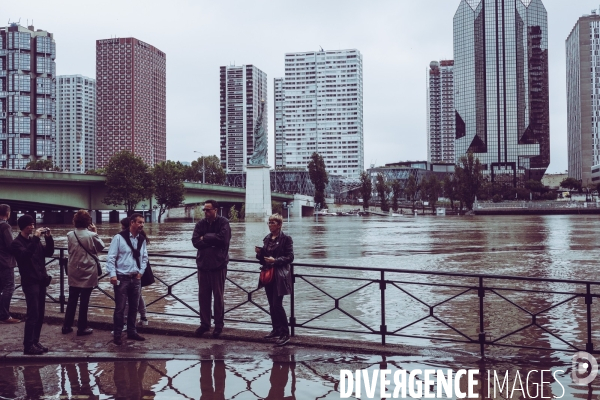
319 108
440 112
501 87
243 88
583 97
76 118
27 96
130 100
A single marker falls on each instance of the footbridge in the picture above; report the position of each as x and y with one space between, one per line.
44 191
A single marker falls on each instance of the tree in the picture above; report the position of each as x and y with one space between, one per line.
468 173
411 190
233 214
396 193
318 177
535 186
99 171
168 182
571 184
128 180
42 165
431 189
449 186
213 171
383 191
366 188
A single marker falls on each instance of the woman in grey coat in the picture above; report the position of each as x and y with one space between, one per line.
278 253
83 245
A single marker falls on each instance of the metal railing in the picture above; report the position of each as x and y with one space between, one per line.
479 309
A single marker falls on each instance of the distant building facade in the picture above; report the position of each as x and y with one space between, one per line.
130 100
27 96
583 97
242 90
440 112
76 118
501 92
319 108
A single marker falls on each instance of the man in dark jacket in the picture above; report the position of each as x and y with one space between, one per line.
31 259
211 237
7 267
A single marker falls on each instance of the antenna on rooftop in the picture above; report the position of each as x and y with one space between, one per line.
321 48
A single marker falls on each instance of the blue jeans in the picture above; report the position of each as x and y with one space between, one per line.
7 288
126 292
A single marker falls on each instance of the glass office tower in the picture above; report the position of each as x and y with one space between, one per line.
501 87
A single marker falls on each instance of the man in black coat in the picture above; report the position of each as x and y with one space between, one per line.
7 266
211 237
31 255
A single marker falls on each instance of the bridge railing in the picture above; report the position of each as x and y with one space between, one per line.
392 304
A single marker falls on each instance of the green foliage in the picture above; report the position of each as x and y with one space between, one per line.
411 189
128 180
449 188
168 182
42 165
198 213
277 207
318 177
99 171
214 173
550 195
469 176
383 191
571 184
366 188
431 189
243 212
233 214
535 186
396 194
496 198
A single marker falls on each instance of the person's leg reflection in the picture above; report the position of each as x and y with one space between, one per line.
34 388
8 382
220 376
207 391
278 379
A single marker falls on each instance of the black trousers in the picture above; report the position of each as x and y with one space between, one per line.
35 298
278 316
74 294
212 284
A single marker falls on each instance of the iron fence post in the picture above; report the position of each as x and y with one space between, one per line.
481 294
383 327
589 346
62 264
292 303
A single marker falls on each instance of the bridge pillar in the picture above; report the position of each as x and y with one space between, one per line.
52 217
67 217
12 220
96 217
113 217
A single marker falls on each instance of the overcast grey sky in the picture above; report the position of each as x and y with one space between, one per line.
398 39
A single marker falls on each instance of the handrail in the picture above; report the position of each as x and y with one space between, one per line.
382 279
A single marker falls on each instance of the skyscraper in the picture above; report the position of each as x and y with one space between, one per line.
319 108
242 90
27 96
440 112
501 87
130 100
76 117
583 97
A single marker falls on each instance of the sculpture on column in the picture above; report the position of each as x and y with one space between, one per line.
259 157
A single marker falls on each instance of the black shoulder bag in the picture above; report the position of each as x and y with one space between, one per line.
95 257
148 277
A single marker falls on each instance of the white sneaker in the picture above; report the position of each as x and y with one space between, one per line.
124 330
144 322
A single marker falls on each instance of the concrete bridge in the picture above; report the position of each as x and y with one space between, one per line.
61 193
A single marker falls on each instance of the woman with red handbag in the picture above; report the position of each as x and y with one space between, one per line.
275 256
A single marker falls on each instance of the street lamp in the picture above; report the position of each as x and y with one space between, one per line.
203 176
144 205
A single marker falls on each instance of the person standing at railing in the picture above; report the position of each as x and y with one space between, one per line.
126 262
82 270
211 237
277 254
7 267
31 255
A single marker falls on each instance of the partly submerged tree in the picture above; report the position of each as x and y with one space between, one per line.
411 190
571 184
396 194
168 185
383 190
431 188
213 171
128 180
318 177
469 176
449 188
366 188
